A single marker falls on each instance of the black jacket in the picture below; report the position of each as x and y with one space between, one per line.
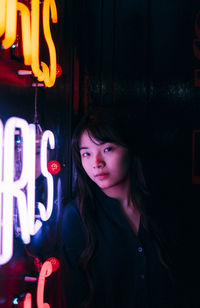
126 270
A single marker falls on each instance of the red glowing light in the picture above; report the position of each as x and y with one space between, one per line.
53 166
55 263
58 70
49 266
27 301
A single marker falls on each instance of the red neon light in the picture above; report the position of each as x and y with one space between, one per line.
27 301
49 266
58 70
53 166
55 263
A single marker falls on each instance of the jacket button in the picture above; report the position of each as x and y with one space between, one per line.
140 249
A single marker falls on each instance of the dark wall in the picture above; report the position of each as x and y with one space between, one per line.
141 55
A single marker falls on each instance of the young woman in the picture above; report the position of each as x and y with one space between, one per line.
113 253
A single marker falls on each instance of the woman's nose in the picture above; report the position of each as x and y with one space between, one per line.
98 162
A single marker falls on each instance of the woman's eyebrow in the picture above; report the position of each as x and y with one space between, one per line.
83 148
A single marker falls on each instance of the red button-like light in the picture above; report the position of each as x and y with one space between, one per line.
53 166
58 70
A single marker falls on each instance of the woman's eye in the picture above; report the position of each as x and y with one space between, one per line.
108 149
86 154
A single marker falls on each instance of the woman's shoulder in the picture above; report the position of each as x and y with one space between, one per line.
71 217
73 233
71 211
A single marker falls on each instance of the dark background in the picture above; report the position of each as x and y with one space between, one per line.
138 54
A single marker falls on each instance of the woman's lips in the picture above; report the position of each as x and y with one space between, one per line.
101 175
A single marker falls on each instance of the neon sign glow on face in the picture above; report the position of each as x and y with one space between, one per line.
21 189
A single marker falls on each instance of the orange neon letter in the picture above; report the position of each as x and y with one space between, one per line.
30 24
35 38
50 74
44 74
26 32
2 16
10 23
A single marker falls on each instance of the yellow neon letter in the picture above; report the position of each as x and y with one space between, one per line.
10 23
30 24
35 37
2 16
50 5
26 32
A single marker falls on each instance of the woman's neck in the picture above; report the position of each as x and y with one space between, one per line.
121 192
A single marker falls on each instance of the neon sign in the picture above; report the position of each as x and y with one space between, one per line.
22 189
30 24
49 266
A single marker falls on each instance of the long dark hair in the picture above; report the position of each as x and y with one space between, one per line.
105 124
115 125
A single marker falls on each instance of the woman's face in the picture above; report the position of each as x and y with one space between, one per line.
106 164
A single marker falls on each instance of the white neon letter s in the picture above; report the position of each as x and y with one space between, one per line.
47 136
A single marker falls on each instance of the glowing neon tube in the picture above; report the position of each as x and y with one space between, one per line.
46 271
26 32
34 226
35 37
16 187
27 301
49 266
6 239
2 16
21 189
10 24
47 136
1 151
50 73
1 169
